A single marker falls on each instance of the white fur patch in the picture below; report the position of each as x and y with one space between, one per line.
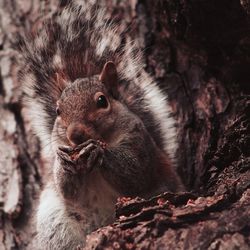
158 105
57 61
36 114
28 81
39 42
111 41
54 225
39 120
130 66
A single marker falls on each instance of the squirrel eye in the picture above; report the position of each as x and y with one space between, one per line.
58 112
102 102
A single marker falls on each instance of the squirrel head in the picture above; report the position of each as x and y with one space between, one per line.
87 108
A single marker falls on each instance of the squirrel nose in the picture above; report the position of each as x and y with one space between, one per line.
76 133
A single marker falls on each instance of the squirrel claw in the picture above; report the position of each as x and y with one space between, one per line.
64 156
84 144
96 158
66 149
92 155
84 157
66 162
86 150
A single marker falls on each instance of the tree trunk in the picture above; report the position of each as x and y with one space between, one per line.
199 54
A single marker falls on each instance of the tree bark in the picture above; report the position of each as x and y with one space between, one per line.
199 54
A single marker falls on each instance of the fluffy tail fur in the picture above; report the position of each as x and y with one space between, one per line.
76 44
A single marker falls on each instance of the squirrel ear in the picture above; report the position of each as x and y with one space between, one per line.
60 81
109 75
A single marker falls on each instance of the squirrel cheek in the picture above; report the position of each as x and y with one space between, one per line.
60 124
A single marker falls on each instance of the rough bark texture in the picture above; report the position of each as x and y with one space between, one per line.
199 53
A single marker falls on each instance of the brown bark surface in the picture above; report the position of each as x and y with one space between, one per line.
199 53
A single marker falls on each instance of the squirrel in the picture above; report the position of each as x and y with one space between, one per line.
108 126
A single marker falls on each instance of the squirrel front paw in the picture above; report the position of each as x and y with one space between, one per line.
64 156
82 158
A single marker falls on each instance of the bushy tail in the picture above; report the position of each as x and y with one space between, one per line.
76 44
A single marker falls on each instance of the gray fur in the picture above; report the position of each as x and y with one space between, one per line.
76 45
